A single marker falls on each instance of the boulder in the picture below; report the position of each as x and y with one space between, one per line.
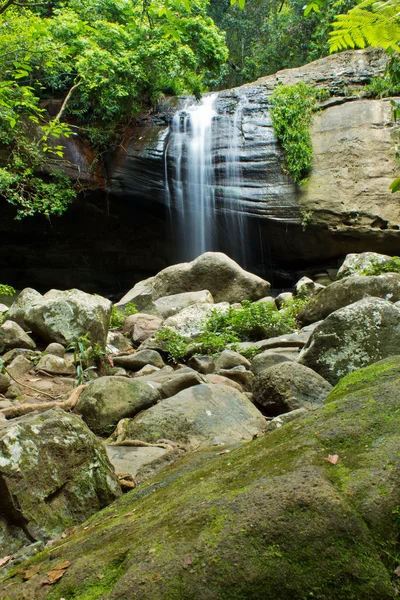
20 306
267 359
3 308
272 520
355 264
288 340
170 305
240 375
213 271
13 336
65 316
221 380
229 359
268 300
182 379
19 366
140 327
5 383
200 416
189 322
202 364
56 349
349 290
282 298
56 365
306 288
135 362
109 399
128 460
54 473
117 342
289 386
353 337
9 356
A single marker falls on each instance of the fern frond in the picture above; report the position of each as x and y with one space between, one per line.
370 23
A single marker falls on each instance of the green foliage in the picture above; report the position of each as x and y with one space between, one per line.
173 343
392 265
370 23
253 321
87 357
117 318
7 290
104 61
268 36
130 309
292 110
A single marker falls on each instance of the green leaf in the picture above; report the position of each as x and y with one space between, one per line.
395 185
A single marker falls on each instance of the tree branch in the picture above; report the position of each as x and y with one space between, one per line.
6 5
64 104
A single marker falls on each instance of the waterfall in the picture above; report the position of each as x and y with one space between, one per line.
203 187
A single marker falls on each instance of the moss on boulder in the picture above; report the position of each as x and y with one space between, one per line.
271 520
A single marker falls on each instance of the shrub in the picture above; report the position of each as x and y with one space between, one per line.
392 265
173 343
118 317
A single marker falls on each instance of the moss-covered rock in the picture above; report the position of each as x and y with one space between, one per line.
54 473
272 520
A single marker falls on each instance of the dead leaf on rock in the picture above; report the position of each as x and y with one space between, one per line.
397 571
332 458
5 560
100 577
186 561
63 565
53 576
29 573
223 452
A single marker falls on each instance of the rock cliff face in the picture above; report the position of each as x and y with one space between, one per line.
120 229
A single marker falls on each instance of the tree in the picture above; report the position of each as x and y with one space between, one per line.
105 60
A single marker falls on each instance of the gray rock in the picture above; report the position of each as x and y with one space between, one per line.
181 380
109 399
12 538
353 337
202 364
56 365
213 271
117 342
282 298
349 290
229 359
199 416
170 305
20 306
19 366
9 356
284 419
146 370
221 380
64 316
135 362
289 340
268 300
13 336
55 473
56 349
141 326
240 375
3 308
189 322
5 383
289 386
267 359
129 460
306 288
354 264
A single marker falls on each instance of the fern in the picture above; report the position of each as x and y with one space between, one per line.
370 23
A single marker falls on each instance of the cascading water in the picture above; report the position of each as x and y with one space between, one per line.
203 187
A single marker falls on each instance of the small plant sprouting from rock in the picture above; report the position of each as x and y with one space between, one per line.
119 317
6 290
173 343
376 267
87 357
292 110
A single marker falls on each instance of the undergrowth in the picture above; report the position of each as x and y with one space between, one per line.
392 265
252 322
292 110
118 317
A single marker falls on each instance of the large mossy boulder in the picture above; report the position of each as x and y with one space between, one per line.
272 520
349 290
107 400
54 473
197 417
212 271
64 316
356 264
353 337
